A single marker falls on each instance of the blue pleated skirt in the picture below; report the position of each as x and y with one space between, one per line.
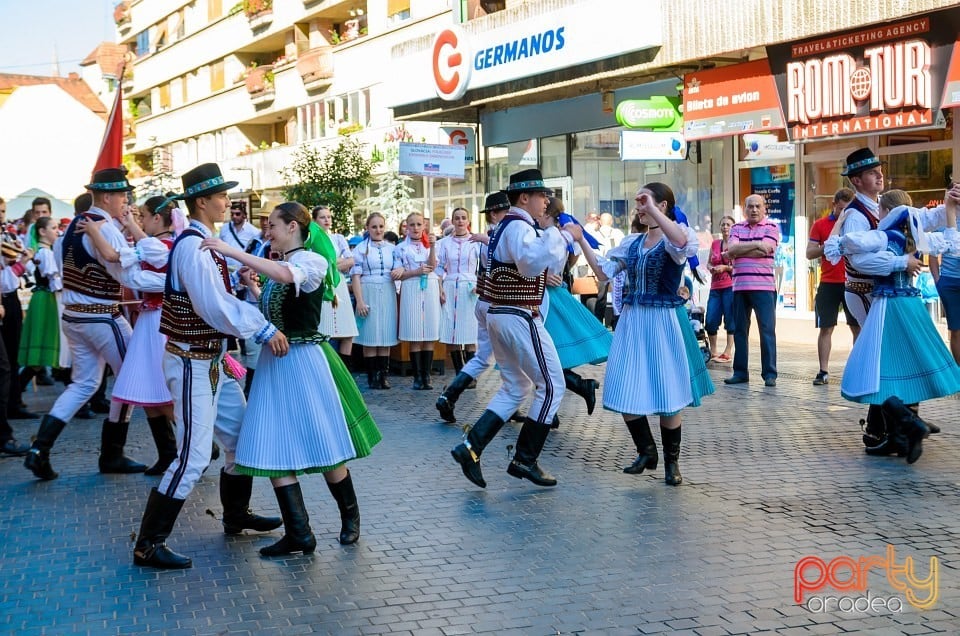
655 366
579 337
899 352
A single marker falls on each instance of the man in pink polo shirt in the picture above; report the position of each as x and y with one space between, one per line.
752 245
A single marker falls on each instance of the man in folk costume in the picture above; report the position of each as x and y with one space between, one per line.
97 332
199 312
865 174
515 281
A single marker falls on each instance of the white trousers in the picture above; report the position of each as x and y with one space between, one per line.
205 401
96 340
483 359
528 361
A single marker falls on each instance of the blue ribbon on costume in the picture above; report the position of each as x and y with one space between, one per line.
682 220
565 218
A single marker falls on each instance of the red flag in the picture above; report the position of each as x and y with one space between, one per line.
111 148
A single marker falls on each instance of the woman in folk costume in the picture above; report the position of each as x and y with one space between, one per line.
141 381
457 260
655 366
419 298
326 423
577 334
376 295
40 339
899 356
337 319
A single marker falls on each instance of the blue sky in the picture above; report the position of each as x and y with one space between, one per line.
31 30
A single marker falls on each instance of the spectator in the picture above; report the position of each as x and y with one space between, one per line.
830 292
753 243
720 302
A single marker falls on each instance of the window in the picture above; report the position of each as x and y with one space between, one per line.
216 76
397 11
214 9
326 118
164 96
143 43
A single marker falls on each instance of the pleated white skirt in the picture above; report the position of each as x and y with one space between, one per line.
339 321
141 381
458 320
379 327
420 310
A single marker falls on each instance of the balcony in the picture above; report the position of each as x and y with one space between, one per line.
122 18
260 85
259 13
316 68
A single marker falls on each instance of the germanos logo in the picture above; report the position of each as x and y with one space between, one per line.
451 64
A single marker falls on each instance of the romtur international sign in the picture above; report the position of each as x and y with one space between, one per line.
868 80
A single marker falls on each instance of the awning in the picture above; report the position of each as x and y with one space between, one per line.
730 100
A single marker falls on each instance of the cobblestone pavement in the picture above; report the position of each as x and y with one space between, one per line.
771 475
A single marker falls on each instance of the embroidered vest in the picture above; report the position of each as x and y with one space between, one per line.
503 283
854 276
296 316
178 320
653 278
42 282
82 272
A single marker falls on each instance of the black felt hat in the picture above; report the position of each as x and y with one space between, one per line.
528 181
204 180
859 161
496 202
110 180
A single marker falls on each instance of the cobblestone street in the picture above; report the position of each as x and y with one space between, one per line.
771 475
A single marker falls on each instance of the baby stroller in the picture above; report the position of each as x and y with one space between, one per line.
696 314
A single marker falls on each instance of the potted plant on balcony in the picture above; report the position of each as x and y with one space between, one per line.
316 67
259 79
258 12
121 14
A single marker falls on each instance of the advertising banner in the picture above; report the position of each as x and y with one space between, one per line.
730 100
432 160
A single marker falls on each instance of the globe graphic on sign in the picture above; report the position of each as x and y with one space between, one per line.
754 146
675 144
860 84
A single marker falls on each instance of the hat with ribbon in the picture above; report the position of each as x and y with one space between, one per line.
110 180
496 202
204 180
528 181
10 250
859 161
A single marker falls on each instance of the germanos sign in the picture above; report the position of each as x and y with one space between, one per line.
869 80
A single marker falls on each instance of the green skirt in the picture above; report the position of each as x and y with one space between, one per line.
40 339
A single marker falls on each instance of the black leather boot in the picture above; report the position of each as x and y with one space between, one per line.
415 370
671 455
38 457
874 429
248 382
587 389
912 428
934 429
235 493
113 437
346 359
468 453
456 357
529 444
166 441
297 535
448 399
371 365
151 549
383 373
426 368
646 448
467 357
346 498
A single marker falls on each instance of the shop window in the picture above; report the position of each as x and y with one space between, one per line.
553 156
504 160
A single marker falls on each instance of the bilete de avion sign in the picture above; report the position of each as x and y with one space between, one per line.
869 80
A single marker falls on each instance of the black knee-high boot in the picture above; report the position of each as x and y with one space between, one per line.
468 453
426 368
38 457
151 549
415 370
587 389
162 431
533 436
113 437
448 399
874 429
383 372
371 364
646 448
346 499
297 535
467 357
456 357
235 491
671 455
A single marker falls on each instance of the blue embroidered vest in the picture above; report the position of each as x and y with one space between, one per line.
653 278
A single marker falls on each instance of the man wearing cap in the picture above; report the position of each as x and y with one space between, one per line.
199 312
494 208
514 285
96 330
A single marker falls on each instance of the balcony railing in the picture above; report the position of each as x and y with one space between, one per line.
259 83
316 68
